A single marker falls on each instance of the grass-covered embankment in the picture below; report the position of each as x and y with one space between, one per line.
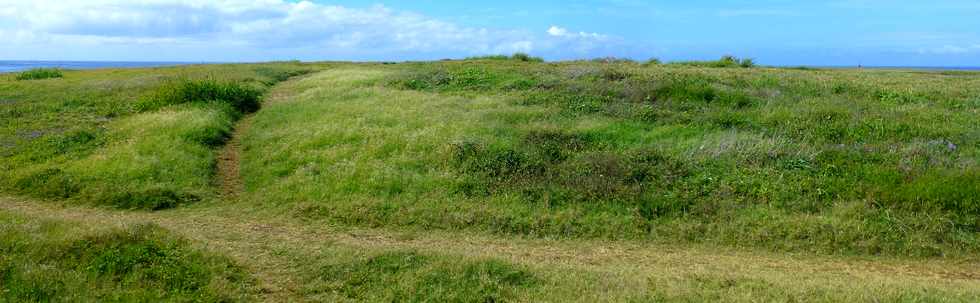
295 261
40 74
828 161
142 138
45 260
494 179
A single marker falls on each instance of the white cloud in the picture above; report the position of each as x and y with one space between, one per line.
556 31
260 26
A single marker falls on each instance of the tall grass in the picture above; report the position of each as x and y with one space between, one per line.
516 57
55 261
851 162
417 277
134 139
239 96
726 61
40 73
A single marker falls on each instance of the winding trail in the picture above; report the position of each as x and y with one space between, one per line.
229 162
228 173
275 249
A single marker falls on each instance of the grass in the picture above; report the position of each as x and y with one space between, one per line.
491 180
725 61
411 276
523 57
295 261
40 73
838 162
52 261
134 139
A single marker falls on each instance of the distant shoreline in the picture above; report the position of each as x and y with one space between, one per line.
935 68
13 66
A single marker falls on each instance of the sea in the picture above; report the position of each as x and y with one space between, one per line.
16 66
936 68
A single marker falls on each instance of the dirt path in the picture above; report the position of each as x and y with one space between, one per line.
229 161
229 177
259 243
276 249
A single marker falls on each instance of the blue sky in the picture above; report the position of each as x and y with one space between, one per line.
841 32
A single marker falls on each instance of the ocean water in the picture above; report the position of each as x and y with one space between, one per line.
16 66
963 68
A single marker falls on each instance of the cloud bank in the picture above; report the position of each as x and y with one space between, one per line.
264 29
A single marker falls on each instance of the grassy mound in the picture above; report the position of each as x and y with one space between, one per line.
152 161
134 139
49 261
841 162
40 73
239 96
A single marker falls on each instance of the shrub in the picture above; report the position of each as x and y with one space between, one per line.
526 58
143 263
40 73
516 57
241 97
747 63
725 62
652 61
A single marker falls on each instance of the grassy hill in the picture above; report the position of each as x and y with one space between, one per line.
839 162
491 179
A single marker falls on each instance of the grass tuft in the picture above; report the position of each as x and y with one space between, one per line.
138 263
522 57
40 73
242 98
414 277
726 61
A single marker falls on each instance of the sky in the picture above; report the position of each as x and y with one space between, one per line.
774 32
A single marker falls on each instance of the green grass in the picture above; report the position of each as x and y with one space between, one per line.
135 139
838 162
40 73
516 57
725 61
492 180
287 260
409 276
52 261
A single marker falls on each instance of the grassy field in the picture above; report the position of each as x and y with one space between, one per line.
128 138
833 161
490 179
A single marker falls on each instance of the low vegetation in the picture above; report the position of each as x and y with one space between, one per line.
840 162
109 138
516 57
415 277
51 261
725 61
491 179
40 73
